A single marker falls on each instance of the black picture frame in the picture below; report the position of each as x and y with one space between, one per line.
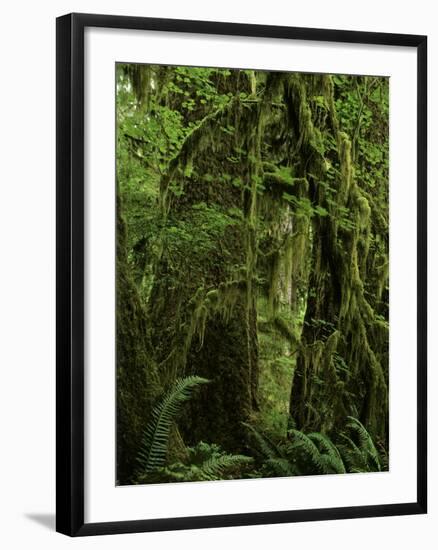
70 273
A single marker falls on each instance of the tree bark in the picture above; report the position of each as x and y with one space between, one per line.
137 381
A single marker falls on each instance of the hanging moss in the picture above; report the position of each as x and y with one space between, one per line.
204 313
137 380
340 372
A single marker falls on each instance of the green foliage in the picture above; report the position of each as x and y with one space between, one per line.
204 462
253 252
195 236
359 452
315 453
278 338
152 454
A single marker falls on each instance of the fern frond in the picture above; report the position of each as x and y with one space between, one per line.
333 464
281 467
354 460
333 457
152 454
301 440
351 444
324 443
215 467
266 447
365 440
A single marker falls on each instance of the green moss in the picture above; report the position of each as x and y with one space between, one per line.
137 379
339 267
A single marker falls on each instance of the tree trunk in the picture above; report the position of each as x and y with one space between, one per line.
202 306
340 367
137 381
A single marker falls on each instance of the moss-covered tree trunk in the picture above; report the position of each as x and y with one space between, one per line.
137 381
203 304
340 366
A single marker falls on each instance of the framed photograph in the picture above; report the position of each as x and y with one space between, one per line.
241 274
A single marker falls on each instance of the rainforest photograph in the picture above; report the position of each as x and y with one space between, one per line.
252 274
